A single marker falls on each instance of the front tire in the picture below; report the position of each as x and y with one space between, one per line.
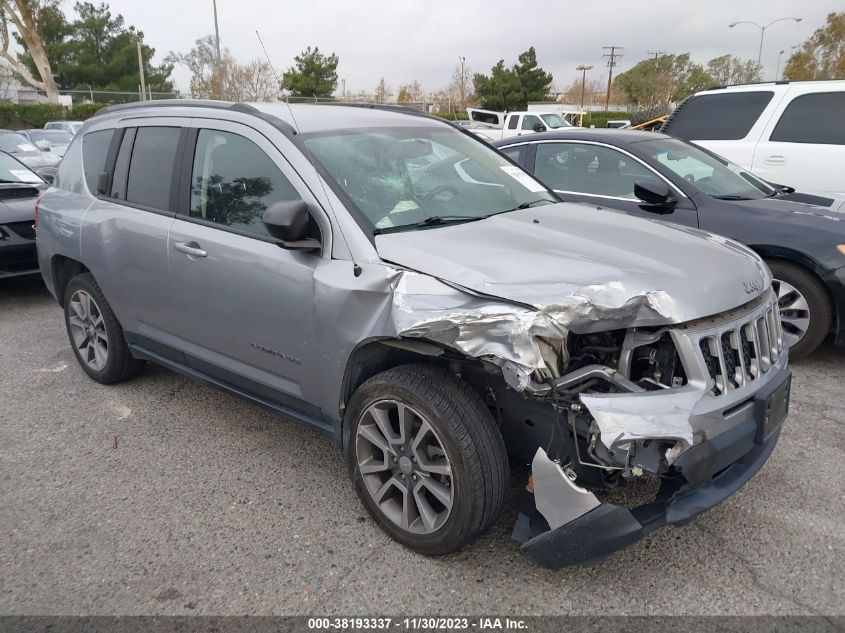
805 309
426 458
95 333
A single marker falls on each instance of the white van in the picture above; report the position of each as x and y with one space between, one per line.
789 133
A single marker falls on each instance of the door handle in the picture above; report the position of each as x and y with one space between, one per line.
192 249
775 159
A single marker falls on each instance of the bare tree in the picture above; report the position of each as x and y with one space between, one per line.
209 79
382 91
411 93
255 81
20 14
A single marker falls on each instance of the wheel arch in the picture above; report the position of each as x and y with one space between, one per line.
64 269
376 355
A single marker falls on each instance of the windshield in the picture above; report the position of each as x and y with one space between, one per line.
16 143
51 137
404 176
710 173
13 170
555 121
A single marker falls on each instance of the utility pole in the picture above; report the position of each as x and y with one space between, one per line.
612 56
583 70
657 55
141 70
217 44
462 83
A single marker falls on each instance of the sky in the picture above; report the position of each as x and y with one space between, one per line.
404 40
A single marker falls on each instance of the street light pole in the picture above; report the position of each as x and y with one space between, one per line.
762 32
583 70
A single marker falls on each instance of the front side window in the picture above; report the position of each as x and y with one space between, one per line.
589 169
555 121
402 176
813 118
713 175
152 167
718 117
95 148
234 182
529 121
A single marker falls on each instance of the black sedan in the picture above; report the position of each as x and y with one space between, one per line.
19 190
801 236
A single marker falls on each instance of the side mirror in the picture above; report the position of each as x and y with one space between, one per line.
288 222
656 195
539 127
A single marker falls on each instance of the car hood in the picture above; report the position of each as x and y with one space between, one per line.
831 208
18 209
586 266
37 159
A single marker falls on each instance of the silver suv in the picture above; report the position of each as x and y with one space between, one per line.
406 290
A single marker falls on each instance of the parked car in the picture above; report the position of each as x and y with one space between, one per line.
791 133
19 189
655 176
618 124
491 125
400 286
53 141
19 146
71 127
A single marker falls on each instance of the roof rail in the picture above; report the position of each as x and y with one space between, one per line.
160 103
779 82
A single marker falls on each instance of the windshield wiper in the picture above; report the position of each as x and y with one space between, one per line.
434 220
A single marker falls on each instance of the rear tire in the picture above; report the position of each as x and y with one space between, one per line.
432 488
95 333
805 309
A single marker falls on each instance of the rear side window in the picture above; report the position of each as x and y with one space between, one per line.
718 117
152 166
95 148
513 121
813 118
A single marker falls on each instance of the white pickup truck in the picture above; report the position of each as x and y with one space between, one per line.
492 125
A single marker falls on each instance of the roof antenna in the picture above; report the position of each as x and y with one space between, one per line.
273 70
356 268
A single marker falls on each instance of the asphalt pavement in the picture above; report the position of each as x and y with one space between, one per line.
163 496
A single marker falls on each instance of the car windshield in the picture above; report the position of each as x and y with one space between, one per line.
51 137
712 174
15 143
12 170
409 177
555 121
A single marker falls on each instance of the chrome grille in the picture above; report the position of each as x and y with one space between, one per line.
738 348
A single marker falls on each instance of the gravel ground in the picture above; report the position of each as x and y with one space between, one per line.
211 505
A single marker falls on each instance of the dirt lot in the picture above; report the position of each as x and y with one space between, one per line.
210 505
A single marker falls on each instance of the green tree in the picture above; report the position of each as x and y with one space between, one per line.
655 83
97 51
21 16
728 70
312 75
822 55
512 88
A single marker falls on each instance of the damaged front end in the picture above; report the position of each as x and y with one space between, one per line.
607 385
697 407
694 406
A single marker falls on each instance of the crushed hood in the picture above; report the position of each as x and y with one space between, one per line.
586 267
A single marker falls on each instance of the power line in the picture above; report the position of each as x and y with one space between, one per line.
612 56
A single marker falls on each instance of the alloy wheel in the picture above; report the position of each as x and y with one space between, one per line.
794 312
88 330
404 466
